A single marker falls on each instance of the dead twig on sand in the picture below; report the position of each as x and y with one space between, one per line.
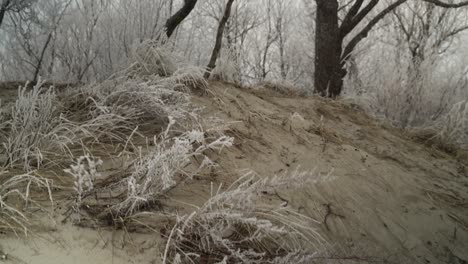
286 202
329 213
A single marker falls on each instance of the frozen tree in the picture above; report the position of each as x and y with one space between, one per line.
219 38
14 6
31 36
335 42
179 16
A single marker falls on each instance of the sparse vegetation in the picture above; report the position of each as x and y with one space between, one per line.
16 200
154 174
151 105
233 227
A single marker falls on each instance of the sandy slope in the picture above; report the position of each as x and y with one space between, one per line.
389 200
398 200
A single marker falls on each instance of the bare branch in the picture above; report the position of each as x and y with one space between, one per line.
179 16
447 5
363 34
355 20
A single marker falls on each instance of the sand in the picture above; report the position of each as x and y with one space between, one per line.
390 198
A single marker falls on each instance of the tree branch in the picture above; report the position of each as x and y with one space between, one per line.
219 38
363 34
355 20
351 13
179 16
447 5
3 8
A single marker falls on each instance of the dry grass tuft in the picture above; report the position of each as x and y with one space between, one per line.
234 227
33 128
155 172
283 88
16 200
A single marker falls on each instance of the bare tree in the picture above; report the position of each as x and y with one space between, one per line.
179 16
282 23
32 34
53 27
423 30
13 6
331 53
219 38
270 38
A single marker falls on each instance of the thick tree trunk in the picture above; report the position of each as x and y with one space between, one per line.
219 39
330 55
178 17
329 71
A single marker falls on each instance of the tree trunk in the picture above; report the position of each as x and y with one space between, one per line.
330 56
329 73
219 39
178 17
41 57
3 9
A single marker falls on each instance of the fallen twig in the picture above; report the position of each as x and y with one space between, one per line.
330 213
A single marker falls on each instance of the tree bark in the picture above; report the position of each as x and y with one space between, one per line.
330 55
41 57
179 16
328 79
3 8
219 39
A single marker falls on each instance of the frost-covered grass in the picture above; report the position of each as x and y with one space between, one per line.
44 127
283 88
151 58
16 200
234 227
155 173
149 98
33 127
226 69
39 129
84 172
452 127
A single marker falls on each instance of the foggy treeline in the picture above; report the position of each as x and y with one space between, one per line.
405 60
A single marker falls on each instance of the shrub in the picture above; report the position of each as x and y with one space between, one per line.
190 77
226 69
84 173
414 97
233 227
453 126
151 58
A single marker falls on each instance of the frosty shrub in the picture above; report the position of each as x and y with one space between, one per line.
43 125
155 173
234 227
415 97
119 105
152 58
226 68
190 77
453 126
84 172
143 95
113 105
15 200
